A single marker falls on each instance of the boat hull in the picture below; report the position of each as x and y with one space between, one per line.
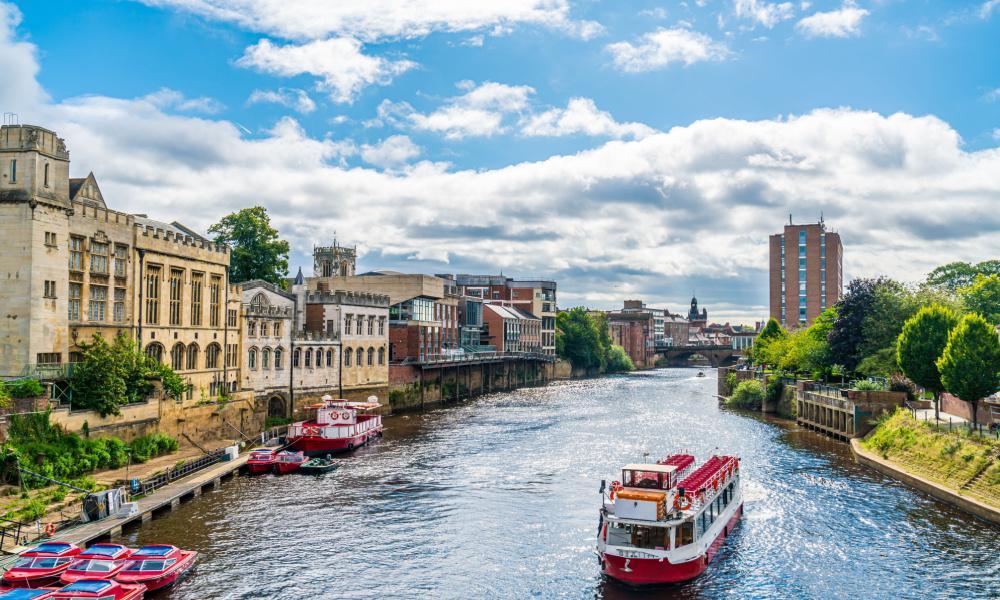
159 581
283 468
259 468
12 579
319 446
655 571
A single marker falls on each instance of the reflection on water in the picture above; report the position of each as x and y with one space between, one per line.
498 498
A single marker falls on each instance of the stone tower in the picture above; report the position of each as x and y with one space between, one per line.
334 261
34 226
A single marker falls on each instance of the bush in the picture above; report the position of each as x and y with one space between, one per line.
32 509
618 360
150 446
868 385
902 384
730 382
748 394
775 389
24 388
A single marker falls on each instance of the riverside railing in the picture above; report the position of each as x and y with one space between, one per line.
151 484
435 359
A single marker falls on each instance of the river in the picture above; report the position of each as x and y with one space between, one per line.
497 497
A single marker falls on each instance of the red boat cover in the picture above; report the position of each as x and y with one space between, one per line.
703 474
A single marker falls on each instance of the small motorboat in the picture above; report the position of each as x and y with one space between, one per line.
701 373
99 561
156 566
261 460
289 462
104 589
42 565
10 593
318 466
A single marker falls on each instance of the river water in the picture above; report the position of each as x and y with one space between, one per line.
497 497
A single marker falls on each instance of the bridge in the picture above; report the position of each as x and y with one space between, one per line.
718 355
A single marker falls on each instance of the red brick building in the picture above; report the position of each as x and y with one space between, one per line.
806 273
510 329
633 331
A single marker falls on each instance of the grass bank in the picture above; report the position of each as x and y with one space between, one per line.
969 465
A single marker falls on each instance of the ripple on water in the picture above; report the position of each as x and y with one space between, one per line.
497 498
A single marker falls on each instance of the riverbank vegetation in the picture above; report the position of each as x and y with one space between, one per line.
956 460
34 443
583 338
747 394
900 335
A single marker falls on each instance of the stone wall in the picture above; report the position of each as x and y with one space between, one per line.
960 408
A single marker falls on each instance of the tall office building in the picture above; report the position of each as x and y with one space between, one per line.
806 273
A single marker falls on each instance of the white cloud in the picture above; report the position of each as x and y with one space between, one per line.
840 23
693 204
662 47
479 112
18 64
391 152
374 20
339 63
992 95
996 133
987 8
658 13
168 98
767 14
293 98
581 116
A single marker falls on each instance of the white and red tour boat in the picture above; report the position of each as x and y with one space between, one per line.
664 522
339 426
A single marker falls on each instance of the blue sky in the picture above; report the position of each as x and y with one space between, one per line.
626 148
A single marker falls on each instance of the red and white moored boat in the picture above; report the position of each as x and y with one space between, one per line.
262 460
666 522
339 426
156 566
100 561
289 462
12 593
102 589
42 565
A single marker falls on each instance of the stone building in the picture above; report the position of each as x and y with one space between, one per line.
268 321
73 268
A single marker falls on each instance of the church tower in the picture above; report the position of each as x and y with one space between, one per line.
334 261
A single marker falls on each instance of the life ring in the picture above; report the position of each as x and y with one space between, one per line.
50 529
310 430
682 503
345 415
334 415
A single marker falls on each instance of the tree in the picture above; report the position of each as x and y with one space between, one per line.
953 276
771 332
98 381
970 363
579 338
257 251
618 360
921 344
807 350
858 332
983 297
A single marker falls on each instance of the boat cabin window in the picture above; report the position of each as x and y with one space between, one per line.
685 534
46 562
96 566
653 538
646 479
149 565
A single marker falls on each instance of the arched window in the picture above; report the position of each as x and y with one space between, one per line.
329 358
347 357
381 356
252 358
319 358
295 357
361 324
155 351
192 357
265 359
309 357
177 357
259 300
371 356
277 357
371 325
212 356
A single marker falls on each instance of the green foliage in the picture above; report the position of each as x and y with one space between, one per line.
970 363
882 363
983 297
110 376
278 421
31 510
24 388
748 394
952 276
50 451
868 385
771 332
921 344
582 338
257 251
775 389
618 360
730 382
4 396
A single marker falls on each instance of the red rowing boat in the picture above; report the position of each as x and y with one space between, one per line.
288 462
42 565
157 566
100 561
103 589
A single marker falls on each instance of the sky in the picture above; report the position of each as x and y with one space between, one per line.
627 149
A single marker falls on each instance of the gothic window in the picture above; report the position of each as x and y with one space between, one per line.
347 357
295 357
177 357
329 358
277 357
192 357
265 359
309 356
381 356
252 358
155 351
212 356
371 356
